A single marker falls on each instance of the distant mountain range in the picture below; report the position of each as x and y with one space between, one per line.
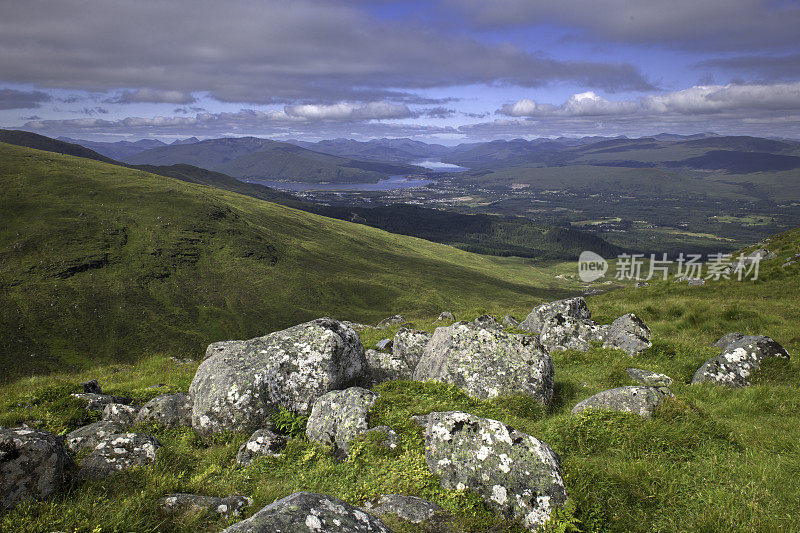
121 149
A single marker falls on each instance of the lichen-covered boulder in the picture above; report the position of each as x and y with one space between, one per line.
562 332
32 465
239 389
98 402
409 344
446 315
224 507
119 452
629 333
340 416
510 322
488 322
641 400
120 413
91 435
739 359
391 321
168 410
728 338
307 512
571 307
513 472
651 379
432 517
386 367
487 362
225 348
262 443
384 345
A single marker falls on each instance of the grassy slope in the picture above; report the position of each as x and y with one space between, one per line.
99 263
712 459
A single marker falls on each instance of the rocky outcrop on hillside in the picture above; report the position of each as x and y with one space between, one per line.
239 387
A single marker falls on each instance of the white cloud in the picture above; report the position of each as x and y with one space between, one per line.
350 111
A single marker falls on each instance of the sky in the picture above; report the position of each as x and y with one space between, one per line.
445 71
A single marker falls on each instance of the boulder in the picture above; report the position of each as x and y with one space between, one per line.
120 413
239 389
446 315
307 512
32 465
224 507
487 363
572 307
629 333
651 379
409 345
513 472
696 282
92 387
168 410
641 400
562 332
728 338
510 322
386 367
488 322
119 452
98 402
739 359
262 443
226 348
91 435
391 321
384 345
340 416
432 517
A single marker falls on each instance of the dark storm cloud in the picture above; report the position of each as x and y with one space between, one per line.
760 67
706 24
13 99
262 52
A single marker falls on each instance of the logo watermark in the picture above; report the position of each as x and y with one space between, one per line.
684 267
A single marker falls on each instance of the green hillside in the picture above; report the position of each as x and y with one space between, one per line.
100 263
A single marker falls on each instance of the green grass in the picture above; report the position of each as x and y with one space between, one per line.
102 263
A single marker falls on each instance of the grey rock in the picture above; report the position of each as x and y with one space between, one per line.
488 322
119 452
651 379
641 285
409 345
510 322
446 315
391 321
224 507
487 363
355 325
92 387
384 345
640 400
739 359
32 465
571 307
307 512
98 402
91 435
239 389
695 282
386 367
728 338
411 509
513 472
226 349
168 410
120 413
340 416
629 333
262 443
788 263
561 332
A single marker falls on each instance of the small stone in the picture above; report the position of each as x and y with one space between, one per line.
119 452
446 315
262 443
391 321
98 402
642 401
338 417
92 387
651 379
487 322
384 345
91 435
